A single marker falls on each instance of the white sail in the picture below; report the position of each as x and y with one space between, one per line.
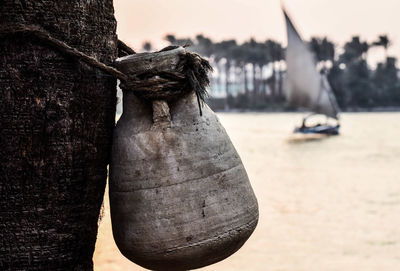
305 86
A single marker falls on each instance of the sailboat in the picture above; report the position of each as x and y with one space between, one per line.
306 87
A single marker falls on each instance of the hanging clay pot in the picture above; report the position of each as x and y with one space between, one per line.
179 194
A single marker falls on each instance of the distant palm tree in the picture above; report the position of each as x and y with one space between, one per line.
181 41
239 56
147 46
315 46
263 61
223 50
276 55
253 55
354 50
324 51
204 45
327 51
170 38
383 40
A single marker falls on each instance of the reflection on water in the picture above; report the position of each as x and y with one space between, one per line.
302 138
325 204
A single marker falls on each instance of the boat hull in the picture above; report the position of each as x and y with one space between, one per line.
319 129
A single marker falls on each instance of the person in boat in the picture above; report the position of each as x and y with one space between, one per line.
304 126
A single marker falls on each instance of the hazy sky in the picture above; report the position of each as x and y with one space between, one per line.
140 20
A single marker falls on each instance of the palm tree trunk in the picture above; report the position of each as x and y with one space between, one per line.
227 83
56 119
386 53
262 84
255 85
245 81
227 74
273 83
280 82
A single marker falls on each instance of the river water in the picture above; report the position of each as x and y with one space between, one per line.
325 204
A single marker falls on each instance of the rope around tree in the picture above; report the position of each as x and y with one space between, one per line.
191 73
43 35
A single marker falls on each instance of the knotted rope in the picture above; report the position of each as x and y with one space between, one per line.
191 72
43 35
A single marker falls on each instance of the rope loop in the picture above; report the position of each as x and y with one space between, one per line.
45 36
166 75
189 73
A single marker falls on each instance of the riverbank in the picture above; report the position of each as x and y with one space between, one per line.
285 110
226 105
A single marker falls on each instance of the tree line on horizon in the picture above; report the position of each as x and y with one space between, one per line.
251 74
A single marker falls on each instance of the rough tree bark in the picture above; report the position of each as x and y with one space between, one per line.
56 122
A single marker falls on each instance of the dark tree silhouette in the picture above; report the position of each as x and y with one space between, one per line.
239 56
147 46
171 38
324 51
181 41
254 56
387 83
383 40
223 50
355 84
204 45
354 50
276 55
